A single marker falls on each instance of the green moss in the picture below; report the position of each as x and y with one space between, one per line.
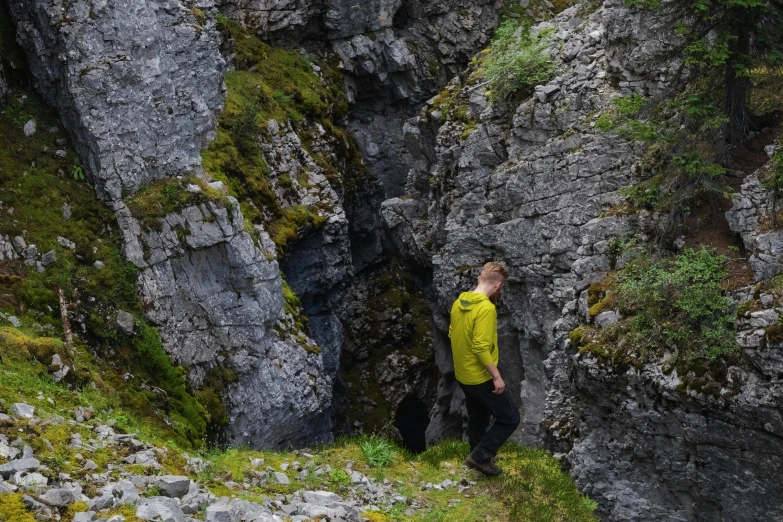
170 195
12 509
279 84
748 306
293 220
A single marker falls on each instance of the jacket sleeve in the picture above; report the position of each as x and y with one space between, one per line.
484 334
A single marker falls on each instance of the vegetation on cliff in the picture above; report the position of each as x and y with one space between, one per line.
515 62
731 55
282 85
47 202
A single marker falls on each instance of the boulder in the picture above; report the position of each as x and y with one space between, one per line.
160 509
173 486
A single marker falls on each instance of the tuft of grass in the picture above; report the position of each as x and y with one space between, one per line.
378 451
158 199
340 477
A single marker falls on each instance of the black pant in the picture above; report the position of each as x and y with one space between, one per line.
481 403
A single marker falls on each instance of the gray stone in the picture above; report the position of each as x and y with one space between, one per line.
605 319
220 513
19 244
21 409
125 321
86 516
49 258
61 497
29 128
320 498
66 243
173 486
281 478
160 509
29 480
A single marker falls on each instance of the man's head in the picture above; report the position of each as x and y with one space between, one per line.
491 279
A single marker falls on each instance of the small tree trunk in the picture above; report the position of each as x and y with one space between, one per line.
735 102
66 322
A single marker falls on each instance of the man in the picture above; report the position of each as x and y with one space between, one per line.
474 345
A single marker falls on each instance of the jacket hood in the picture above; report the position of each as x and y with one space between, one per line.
467 300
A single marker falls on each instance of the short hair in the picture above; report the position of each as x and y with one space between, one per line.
494 271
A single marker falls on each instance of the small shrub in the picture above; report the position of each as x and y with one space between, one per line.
670 304
515 62
339 477
378 452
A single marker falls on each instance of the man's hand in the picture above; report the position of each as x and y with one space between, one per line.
500 386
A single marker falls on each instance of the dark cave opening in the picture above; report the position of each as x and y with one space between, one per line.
411 420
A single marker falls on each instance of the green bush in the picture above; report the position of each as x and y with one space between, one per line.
515 62
671 304
339 477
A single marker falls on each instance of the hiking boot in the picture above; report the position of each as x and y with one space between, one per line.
489 469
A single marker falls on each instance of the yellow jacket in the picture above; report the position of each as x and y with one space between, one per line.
474 337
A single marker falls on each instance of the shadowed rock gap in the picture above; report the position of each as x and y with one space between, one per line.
411 420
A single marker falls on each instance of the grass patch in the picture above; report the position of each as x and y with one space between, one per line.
378 452
159 199
534 486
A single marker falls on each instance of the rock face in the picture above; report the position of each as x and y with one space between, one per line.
394 54
216 299
646 445
387 371
655 444
3 85
137 84
529 194
751 217
320 264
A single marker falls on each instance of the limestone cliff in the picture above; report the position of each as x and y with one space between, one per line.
139 87
533 183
